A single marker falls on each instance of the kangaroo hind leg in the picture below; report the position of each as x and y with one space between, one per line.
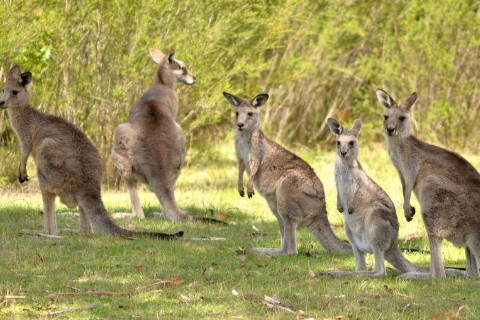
50 221
472 252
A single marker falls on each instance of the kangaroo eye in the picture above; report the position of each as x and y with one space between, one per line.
236 113
402 118
351 143
338 143
14 92
386 117
250 114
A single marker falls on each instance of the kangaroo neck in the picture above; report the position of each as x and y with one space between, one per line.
163 75
397 142
350 164
21 119
250 136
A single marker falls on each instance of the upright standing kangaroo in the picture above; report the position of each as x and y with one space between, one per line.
292 189
446 185
150 147
371 223
68 165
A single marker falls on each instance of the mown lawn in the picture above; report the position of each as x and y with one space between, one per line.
117 278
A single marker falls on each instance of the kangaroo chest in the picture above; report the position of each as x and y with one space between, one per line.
348 184
244 150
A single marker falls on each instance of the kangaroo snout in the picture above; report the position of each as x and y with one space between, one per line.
191 80
3 105
240 125
343 153
390 131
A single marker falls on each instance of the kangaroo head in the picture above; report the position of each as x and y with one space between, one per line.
246 113
347 140
397 117
15 92
177 68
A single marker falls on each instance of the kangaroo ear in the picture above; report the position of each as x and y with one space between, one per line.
234 101
25 78
385 99
259 100
14 73
171 56
157 55
357 126
409 102
335 126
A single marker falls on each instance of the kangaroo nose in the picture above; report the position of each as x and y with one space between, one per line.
390 130
240 125
2 104
343 153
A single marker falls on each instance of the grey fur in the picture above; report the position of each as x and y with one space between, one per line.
371 223
68 165
290 186
446 185
150 147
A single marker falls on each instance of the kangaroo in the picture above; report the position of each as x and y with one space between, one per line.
68 165
290 186
371 222
446 185
150 147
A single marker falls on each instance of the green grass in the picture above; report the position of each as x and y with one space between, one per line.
39 268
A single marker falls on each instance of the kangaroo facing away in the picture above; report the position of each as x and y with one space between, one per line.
371 223
446 185
150 147
68 165
290 186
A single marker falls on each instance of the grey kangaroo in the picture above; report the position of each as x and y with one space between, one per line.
68 165
290 186
371 223
150 147
446 185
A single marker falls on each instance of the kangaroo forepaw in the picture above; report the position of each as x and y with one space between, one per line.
241 192
350 210
23 179
250 193
340 209
409 212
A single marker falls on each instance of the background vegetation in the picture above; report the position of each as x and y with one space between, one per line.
317 59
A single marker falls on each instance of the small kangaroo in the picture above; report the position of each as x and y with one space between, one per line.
371 223
446 185
292 189
150 147
68 165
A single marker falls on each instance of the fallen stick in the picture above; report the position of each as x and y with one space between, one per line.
89 293
89 307
39 234
12 297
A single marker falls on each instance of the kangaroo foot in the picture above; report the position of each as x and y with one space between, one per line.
355 274
123 215
415 275
267 251
179 217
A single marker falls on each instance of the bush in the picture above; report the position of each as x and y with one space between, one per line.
317 59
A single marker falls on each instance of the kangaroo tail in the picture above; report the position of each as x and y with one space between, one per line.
322 230
398 260
100 220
